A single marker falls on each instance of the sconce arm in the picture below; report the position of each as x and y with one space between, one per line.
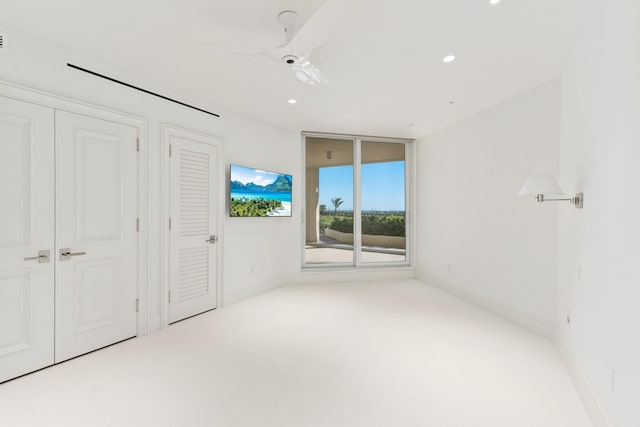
576 200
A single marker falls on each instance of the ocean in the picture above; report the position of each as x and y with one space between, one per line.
239 194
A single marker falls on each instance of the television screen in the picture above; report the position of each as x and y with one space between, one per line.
254 192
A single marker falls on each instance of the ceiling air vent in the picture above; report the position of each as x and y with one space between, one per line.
4 42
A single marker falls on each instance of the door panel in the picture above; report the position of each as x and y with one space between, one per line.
99 294
99 186
96 211
194 216
26 228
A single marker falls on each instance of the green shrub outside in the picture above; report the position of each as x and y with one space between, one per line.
391 225
325 221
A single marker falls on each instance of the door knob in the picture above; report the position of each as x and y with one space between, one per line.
212 239
43 257
66 254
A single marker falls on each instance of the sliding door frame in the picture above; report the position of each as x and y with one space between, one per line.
409 173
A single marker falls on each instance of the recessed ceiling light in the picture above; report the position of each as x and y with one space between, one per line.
449 58
292 101
494 2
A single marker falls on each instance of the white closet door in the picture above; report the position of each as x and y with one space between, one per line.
96 213
193 235
26 230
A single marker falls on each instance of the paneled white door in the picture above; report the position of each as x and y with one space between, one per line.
194 220
96 236
26 232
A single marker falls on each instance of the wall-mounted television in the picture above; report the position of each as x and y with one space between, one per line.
258 193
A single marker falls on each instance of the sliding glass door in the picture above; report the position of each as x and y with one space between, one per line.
329 201
382 216
356 201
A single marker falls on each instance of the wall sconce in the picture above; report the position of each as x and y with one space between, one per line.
543 185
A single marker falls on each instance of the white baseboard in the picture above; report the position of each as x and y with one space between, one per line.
525 320
237 296
579 380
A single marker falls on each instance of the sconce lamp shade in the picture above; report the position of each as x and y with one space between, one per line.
540 184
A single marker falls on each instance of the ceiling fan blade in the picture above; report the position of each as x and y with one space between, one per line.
233 50
320 27
308 73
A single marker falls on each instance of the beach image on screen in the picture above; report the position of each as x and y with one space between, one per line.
254 192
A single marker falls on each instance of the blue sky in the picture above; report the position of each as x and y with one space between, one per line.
382 186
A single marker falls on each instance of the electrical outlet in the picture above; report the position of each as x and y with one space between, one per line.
252 269
449 267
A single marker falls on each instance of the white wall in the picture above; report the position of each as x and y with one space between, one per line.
269 245
599 253
499 246
261 253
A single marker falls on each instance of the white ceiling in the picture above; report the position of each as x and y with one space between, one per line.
384 64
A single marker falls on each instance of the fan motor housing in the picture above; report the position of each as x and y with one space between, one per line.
289 59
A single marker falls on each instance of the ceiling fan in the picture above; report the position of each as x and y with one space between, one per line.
299 42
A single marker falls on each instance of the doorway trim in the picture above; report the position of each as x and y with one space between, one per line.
58 102
167 131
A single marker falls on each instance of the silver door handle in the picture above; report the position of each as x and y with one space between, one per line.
66 254
43 257
212 239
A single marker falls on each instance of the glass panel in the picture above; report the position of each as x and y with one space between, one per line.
329 201
383 202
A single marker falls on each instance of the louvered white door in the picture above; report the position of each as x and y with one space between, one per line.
193 235
96 214
26 230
